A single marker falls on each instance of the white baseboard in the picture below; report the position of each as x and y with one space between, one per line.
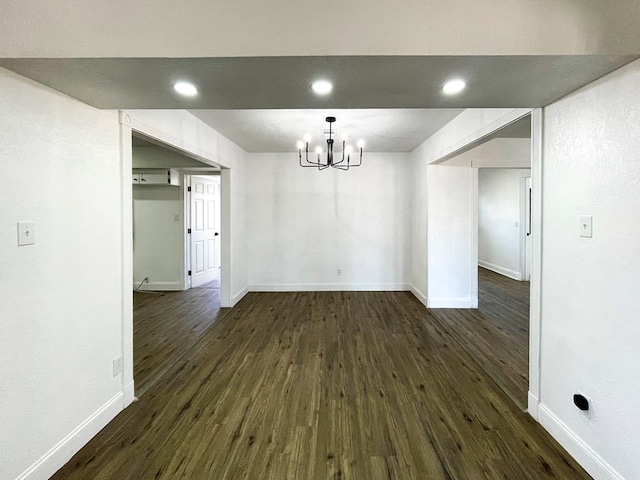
55 458
330 287
239 296
129 394
532 405
501 270
452 302
419 295
158 286
593 463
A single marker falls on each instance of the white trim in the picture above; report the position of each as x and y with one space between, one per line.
419 295
62 452
330 287
476 137
226 244
474 208
161 286
126 155
129 394
452 302
185 148
239 296
501 270
523 199
593 463
535 305
532 405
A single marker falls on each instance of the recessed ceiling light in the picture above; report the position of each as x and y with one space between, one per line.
185 88
322 87
454 86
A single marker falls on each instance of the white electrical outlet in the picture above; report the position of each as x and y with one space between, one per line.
339 272
117 366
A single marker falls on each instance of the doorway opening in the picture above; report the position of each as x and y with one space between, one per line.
176 210
499 216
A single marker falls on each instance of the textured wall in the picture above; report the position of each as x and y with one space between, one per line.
590 300
60 299
305 224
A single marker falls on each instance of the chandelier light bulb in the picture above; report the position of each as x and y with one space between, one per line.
454 86
185 88
318 149
300 145
306 138
348 150
361 144
322 87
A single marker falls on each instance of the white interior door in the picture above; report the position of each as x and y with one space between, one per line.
205 229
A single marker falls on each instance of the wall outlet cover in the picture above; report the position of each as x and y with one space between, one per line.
26 233
117 366
586 226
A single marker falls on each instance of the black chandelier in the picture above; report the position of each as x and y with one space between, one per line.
341 165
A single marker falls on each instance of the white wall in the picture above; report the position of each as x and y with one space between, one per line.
60 299
159 157
497 153
451 229
499 220
248 28
158 237
590 300
304 224
419 249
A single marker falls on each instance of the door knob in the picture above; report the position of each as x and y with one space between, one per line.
216 234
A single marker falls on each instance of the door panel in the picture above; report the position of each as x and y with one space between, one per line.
205 239
199 252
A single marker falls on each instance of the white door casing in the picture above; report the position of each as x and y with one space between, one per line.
205 229
525 228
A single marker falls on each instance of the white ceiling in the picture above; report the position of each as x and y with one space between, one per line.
383 130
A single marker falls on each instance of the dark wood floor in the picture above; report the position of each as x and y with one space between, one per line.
324 385
496 335
166 327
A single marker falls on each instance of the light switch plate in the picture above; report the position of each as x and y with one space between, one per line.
26 233
586 226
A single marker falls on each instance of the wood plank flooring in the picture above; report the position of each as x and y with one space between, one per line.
324 385
496 334
165 327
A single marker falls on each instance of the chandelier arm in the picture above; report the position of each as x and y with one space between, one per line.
343 146
309 162
360 160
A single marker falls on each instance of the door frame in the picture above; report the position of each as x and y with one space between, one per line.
129 124
524 228
535 320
